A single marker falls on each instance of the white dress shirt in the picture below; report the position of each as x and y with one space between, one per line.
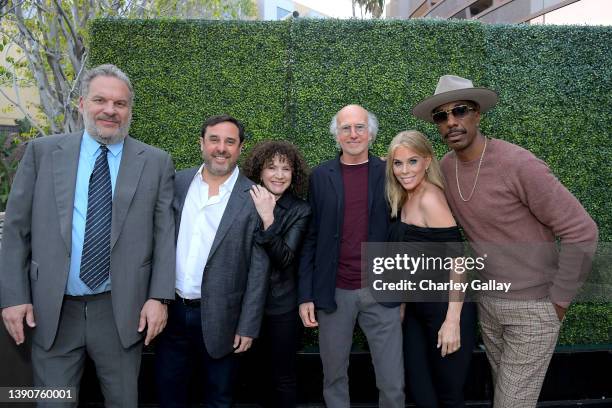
199 223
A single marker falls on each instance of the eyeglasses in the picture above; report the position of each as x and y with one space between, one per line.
360 129
457 111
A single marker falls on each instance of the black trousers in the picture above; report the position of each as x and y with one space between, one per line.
275 353
433 380
179 348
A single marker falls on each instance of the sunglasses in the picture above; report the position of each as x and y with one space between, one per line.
458 112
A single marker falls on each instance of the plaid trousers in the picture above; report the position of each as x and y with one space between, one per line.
519 338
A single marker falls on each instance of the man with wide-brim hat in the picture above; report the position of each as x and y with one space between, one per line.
511 208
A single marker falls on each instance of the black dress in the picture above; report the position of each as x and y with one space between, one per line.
433 380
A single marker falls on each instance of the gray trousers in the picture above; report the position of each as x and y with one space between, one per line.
87 327
382 327
519 338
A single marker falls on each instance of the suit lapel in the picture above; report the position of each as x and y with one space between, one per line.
335 177
130 169
237 200
64 178
182 182
374 180
183 186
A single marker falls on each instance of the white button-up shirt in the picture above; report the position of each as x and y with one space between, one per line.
199 223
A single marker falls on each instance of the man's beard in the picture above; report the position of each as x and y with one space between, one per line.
97 133
214 169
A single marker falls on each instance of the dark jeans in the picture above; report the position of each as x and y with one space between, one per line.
436 381
181 345
275 351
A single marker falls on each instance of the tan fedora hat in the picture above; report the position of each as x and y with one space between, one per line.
453 88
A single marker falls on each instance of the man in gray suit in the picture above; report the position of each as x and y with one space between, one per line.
85 255
221 272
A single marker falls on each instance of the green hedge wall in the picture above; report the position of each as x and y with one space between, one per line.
286 80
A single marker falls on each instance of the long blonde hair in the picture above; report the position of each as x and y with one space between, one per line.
417 142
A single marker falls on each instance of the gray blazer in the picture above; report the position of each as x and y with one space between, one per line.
235 279
37 236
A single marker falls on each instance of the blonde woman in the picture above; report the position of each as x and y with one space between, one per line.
439 336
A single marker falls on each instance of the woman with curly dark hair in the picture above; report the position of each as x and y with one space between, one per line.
281 175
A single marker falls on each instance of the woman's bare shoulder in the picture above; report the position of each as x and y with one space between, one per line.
435 208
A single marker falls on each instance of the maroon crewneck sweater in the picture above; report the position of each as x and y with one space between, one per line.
521 205
354 225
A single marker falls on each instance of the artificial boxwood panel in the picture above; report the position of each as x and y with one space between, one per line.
555 88
185 71
385 66
286 80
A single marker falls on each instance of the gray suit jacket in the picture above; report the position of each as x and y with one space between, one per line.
235 279
37 237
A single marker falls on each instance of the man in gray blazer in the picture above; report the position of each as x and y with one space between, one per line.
221 272
85 255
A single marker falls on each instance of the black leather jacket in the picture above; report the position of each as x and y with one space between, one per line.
282 242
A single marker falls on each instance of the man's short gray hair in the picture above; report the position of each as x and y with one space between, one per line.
372 127
105 70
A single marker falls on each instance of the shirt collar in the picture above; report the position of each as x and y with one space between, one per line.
228 185
91 146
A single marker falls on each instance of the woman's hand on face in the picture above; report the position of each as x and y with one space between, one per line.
264 203
449 337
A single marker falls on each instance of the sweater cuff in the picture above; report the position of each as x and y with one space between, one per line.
561 296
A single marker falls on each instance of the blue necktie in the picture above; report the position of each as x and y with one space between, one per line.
95 261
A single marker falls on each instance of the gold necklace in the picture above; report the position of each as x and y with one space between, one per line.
477 173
